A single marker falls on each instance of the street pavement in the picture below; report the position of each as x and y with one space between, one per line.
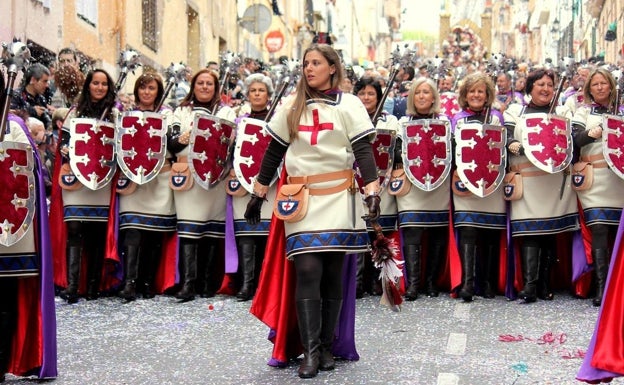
438 341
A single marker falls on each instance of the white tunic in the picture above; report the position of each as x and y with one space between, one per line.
200 212
326 131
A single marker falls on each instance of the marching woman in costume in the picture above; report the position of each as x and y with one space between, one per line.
86 211
200 212
146 213
601 201
479 218
27 318
368 89
251 239
542 211
419 209
319 134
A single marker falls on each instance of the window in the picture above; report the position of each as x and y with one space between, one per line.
87 10
149 24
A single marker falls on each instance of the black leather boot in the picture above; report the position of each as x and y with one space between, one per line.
189 272
94 273
7 323
151 261
74 257
359 276
131 253
468 257
330 315
207 289
435 260
530 271
543 282
490 272
601 269
247 261
412 265
309 320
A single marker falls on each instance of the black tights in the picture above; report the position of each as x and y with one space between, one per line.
8 319
87 234
319 275
600 236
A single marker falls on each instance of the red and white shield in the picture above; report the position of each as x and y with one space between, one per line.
449 105
141 145
547 141
92 151
252 140
480 156
210 146
17 195
613 143
383 151
426 152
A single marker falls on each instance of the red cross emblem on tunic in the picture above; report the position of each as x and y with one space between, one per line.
316 127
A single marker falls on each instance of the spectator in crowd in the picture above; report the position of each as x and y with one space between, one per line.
31 96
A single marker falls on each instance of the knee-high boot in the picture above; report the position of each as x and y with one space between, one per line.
150 263
468 257
412 265
189 272
94 273
247 261
7 320
490 272
601 268
309 320
359 276
208 290
543 283
530 271
435 259
74 257
131 254
330 312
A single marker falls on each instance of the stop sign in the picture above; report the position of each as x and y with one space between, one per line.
274 41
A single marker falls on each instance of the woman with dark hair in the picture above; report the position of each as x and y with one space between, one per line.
421 210
27 318
602 202
368 89
542 211
147 213
479 220
319 134
200 212
86 211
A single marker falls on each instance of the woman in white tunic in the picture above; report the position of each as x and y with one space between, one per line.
200 212
147 212
602 203
421 210
479 220
321 132
86 211
548 205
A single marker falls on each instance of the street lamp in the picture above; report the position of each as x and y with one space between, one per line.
555 29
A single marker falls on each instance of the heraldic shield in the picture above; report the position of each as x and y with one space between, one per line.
17 195
547 141
210 149
426 152
252 140
480 155
383 151
92 151
141 145
613 143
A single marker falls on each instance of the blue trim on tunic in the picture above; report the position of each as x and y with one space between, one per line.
387 223
480 219
241 227
209 229
129 220
85 213
19 265
423 218
602 215
346 240
539 226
